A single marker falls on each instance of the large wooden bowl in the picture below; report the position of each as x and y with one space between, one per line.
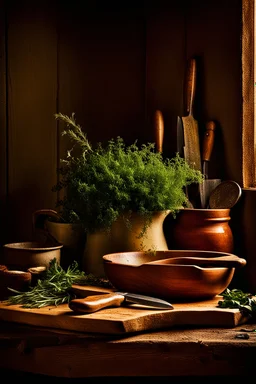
160 274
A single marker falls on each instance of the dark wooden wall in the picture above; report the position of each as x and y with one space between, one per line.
112 64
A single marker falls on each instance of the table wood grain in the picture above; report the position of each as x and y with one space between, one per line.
179 352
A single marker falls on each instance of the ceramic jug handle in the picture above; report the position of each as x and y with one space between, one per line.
38 222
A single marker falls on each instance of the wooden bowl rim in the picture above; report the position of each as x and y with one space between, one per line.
161 265
31 246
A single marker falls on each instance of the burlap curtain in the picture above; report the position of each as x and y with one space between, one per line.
248 91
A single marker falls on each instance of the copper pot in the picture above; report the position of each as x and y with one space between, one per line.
202 229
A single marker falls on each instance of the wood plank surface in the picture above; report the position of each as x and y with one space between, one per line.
175 354
125 319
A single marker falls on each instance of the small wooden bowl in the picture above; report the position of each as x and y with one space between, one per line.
23 256
154 274
17 280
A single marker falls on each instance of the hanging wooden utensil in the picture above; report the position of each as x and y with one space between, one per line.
159 130
207 185
190 131
225 195
190 125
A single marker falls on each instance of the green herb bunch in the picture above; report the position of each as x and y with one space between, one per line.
55 286
101 183
236 298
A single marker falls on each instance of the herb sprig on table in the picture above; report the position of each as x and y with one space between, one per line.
236 298
54 288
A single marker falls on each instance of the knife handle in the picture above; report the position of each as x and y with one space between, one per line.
96 302
208 140
190 85
159 130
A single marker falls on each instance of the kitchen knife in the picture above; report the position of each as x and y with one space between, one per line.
116 299
207 186
159 130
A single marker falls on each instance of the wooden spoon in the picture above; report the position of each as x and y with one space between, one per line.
225 195
230 261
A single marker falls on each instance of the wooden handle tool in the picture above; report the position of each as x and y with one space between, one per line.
208 142
208 185
159 130
91 304
190 124
190 90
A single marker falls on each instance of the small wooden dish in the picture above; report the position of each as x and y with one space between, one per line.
198 275
17 280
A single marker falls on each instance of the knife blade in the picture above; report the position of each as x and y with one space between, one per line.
94 303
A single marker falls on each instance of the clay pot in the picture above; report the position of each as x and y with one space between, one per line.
123 239
202 229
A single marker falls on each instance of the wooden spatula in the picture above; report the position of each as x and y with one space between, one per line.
190 125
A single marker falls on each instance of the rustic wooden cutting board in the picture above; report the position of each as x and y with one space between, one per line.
126 319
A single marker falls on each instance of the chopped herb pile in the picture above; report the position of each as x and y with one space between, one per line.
236 298
54 288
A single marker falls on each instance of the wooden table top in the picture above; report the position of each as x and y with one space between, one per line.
176 352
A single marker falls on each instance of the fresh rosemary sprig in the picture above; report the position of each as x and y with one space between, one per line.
55 286
236 298
44 293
